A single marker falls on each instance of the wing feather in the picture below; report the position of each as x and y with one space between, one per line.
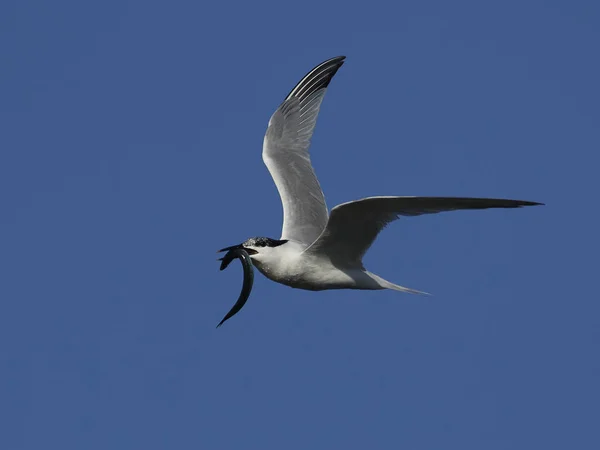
286 155
353 226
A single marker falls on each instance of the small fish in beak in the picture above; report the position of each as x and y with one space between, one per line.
237 251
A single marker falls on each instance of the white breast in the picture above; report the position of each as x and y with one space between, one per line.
287 264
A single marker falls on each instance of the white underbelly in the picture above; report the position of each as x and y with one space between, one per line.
316 275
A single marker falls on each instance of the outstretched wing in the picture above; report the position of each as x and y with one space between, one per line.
285 153
353 226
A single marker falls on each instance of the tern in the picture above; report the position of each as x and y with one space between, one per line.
317 250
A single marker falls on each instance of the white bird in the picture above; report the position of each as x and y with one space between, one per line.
317 250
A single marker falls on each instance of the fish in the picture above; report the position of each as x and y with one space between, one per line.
244 258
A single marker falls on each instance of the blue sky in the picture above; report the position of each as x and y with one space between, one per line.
130 152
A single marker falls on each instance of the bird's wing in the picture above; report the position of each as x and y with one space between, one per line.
353 226
285 153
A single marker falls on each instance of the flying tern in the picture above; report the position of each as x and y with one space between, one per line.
317 250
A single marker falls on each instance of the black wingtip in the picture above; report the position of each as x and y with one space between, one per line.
318 78
339 59
528 203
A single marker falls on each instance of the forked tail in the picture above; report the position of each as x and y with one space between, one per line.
387 285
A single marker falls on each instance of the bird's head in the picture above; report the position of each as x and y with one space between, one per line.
257 247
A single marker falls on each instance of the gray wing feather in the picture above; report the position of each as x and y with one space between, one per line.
286 155
353 226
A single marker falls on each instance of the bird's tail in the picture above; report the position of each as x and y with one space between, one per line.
387 285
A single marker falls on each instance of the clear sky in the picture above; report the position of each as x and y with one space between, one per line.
130 151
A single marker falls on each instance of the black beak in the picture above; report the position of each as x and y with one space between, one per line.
237 247
226 249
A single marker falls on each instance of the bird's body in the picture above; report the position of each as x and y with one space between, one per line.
289 264
318 250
